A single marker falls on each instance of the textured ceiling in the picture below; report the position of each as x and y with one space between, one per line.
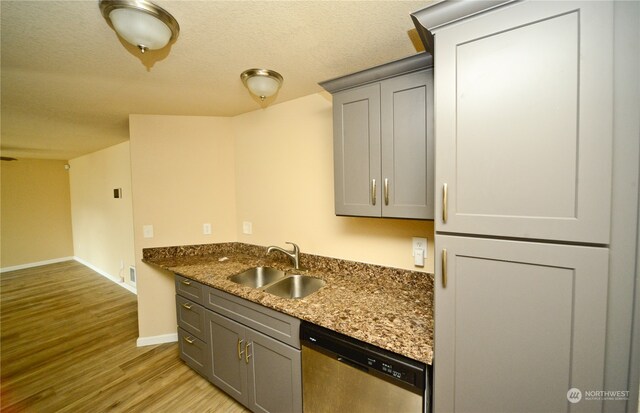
69 83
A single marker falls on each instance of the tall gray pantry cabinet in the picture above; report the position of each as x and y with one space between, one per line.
523 117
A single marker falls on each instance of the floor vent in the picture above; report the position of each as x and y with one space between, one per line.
132 275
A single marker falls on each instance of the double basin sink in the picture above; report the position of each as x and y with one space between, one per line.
277 282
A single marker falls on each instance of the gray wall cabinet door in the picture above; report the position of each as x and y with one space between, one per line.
275 382
383 148
356 151
407 146
523 122
518 325
228 346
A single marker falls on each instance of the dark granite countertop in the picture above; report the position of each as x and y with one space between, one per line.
387 307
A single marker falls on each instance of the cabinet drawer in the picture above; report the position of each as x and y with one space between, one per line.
190 289
190 316
194 352
270 322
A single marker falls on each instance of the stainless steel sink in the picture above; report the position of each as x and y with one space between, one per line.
257 277
295 286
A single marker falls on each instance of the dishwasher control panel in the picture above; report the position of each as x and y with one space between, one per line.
366 357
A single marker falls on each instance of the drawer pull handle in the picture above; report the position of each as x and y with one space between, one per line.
444 268
189 340
240 349
186 282
445 213
187 306
373 191
246 353
386 191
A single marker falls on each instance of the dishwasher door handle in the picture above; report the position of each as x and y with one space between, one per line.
352 364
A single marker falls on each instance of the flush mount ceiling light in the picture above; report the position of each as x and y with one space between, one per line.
262 82
140 22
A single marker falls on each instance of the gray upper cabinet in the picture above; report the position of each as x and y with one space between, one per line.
383 140
524 122
356 151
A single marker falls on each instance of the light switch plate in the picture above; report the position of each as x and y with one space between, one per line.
206 229
247 228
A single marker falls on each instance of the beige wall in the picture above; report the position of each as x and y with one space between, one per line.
284 180
102 224
183 176
272 167
35 212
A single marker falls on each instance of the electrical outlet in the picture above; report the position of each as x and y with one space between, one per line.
147 231
419 244
419 251
206 229
247 227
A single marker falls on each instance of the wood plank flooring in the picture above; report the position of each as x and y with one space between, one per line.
68 344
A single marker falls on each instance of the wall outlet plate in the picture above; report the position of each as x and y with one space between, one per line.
147 231
419 244
247 227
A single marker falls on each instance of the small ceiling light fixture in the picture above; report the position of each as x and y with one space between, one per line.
140 22
263 83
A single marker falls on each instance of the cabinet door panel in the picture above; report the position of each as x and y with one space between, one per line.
524 122
407 145
518 325
356 148
228 370
275 377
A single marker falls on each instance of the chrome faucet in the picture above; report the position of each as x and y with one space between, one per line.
293 255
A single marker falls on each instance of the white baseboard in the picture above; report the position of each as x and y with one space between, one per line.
106 274
35 264
150 341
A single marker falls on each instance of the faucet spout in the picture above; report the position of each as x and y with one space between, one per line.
293 255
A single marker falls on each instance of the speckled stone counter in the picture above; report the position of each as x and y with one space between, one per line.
387 307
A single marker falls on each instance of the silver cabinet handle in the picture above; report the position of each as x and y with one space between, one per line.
186 282
187 306
373 191
445 214
188 340
444 268
386 191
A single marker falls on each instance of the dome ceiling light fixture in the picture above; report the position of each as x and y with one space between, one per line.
263 83
140 22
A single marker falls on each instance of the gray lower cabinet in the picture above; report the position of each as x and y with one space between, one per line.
258 371
191 325
518 324
249 351
383 141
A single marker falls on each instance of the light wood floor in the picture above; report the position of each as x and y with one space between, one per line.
68 344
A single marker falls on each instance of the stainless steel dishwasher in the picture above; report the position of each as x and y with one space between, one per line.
341 374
